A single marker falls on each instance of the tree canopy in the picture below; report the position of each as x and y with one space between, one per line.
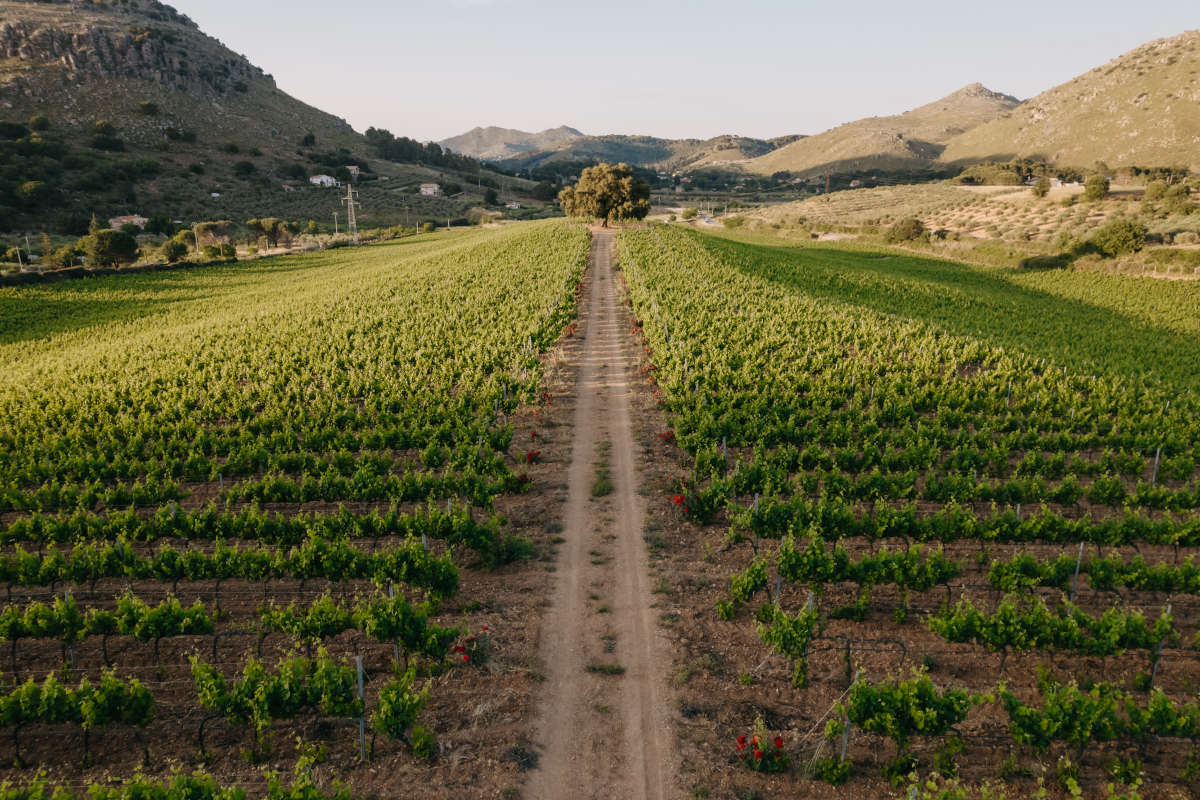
607 192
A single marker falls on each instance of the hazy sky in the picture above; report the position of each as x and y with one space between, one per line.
430 69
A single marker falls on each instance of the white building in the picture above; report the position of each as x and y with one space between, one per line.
353 170
323 180
514 205
431 190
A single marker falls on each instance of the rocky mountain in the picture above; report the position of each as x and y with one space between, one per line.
909 141
1142 108
500 144
128 107
648 151
77 63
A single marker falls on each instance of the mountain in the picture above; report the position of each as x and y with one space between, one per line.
647 151
1142 108
119 108
908 141
498 144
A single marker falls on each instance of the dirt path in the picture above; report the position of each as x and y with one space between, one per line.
603 727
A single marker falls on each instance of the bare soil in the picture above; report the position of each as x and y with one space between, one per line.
602 728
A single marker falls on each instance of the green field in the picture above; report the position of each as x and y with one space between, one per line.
303 447
881 436
892 463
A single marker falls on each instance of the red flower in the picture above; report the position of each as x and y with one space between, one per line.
466 658
757 753
755 739
742 756
742 740
686 510
485 627
778 742
678 499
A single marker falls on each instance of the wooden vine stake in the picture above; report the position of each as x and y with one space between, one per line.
362 718
1075 579
1157 655
846 722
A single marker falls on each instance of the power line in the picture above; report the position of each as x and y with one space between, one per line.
350 202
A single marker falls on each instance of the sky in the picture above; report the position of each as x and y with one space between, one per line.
431 69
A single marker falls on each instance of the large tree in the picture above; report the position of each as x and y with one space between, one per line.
107 248
608 193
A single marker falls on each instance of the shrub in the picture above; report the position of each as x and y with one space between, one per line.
65 256
173 251
109 143
734 222
428 227
186 236
39 122
148 108
1060 261
244 169
228 250
1095 188
690 213
1118 237
211 252
108 248
1042 187
907 230
1155 190
1177 200
35 194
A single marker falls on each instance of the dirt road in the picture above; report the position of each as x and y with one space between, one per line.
603 726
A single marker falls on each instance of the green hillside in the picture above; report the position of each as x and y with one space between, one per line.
1142 108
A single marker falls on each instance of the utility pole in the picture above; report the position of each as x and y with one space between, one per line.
350 202
335 227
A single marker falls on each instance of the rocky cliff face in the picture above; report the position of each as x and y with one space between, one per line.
72 42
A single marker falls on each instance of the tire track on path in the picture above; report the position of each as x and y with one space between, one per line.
603 732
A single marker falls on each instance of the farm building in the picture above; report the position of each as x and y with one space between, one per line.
323 180
353 170
514 205
116 223
431 190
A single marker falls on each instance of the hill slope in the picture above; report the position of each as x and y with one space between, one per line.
912 140
648 151
1142 108
497 144
188 128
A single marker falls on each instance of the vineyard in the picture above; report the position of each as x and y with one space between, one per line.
931 519
278 515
